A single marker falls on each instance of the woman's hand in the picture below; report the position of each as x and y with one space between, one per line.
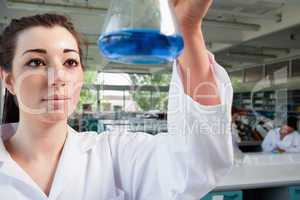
197 76
190 13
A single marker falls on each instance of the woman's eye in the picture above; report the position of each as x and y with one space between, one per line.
35 62
71 63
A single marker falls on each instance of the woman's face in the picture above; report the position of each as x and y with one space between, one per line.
47 74
285 130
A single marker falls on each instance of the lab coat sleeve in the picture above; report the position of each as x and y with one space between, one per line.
197 151
294 149
268 144
188 161
291 144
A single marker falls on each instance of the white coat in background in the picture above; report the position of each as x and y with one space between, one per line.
290 143
184 164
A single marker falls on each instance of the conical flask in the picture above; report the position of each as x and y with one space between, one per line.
141 32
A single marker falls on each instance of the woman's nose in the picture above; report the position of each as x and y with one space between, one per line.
57 77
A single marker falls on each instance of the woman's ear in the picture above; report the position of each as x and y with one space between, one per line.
7 80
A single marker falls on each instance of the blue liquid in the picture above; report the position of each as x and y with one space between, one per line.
140 46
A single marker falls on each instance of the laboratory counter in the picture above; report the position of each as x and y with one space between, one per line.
260 176
261 170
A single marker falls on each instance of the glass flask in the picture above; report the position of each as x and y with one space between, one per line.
141 32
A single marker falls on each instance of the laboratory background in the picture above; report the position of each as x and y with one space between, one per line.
256 41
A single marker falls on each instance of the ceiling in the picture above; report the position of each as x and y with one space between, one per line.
239 32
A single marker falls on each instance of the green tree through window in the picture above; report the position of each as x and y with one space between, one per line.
88 96
143 98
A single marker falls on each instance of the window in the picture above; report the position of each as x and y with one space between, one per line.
88 100
237 76
277 71
253 74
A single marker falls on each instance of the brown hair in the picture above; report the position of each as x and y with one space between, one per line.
8 46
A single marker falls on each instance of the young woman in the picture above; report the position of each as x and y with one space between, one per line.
43 158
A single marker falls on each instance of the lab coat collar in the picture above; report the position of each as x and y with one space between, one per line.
89 141
277 131
67 167
7 131
84 143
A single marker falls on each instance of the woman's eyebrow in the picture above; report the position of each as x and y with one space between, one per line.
70 50
44 51
36 51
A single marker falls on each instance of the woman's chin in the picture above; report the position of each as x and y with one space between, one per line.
57 112
54 117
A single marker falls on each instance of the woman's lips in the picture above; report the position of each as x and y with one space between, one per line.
56 102
64 99
56 98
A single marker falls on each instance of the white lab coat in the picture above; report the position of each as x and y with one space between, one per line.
290 143
184 164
